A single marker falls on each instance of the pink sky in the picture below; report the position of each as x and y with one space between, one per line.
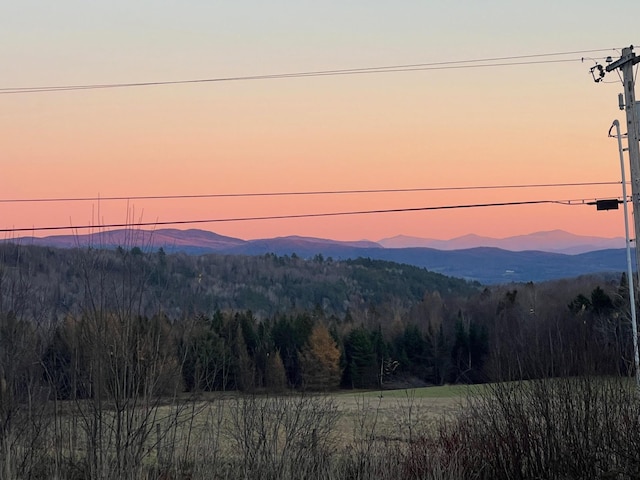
534 124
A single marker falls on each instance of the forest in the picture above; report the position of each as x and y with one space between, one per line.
234 322
125 331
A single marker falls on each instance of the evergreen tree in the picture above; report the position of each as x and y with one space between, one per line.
243 371
289 337
205 357
275 377
441 355
470 347
361 371
415 352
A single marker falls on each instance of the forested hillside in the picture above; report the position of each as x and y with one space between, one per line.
233 322
179 285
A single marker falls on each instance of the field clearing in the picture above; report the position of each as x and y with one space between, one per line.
397 415
230 427
226 435
372 416
444 391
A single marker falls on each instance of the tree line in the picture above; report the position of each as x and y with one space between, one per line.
449 335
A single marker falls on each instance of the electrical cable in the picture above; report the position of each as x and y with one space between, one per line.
301 193
477 63
294 216
502 61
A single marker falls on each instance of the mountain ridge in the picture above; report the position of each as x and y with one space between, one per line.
558 241
555 241
490 263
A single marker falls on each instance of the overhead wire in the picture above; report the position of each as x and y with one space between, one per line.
293 216
472 63
302 193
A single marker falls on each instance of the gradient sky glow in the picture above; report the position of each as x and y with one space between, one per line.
528 124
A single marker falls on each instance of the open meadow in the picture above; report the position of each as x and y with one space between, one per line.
548 428
233 435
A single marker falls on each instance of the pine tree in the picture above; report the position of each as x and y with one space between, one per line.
361 371
275 375
243 365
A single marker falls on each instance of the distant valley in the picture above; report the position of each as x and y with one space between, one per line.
536 257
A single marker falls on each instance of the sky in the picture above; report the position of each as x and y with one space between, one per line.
431 130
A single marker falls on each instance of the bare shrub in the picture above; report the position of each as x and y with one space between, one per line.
198 449
282 436
24 417
429 458
362 451
564 428
124 378
24 410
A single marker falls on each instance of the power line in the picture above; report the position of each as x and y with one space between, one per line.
475 63
295 216
301 193
19 90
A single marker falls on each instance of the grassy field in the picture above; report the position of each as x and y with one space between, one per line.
359 416
444 391
218 429
434 433
397 415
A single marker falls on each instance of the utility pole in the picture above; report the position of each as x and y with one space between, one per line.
625 64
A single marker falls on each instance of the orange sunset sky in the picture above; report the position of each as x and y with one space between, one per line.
542 123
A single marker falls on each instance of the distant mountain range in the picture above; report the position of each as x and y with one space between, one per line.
557 241
536 257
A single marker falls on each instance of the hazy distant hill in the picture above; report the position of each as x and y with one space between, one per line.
536 257
170 239
552 241
492 265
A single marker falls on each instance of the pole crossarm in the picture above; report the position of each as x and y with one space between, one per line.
627 56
